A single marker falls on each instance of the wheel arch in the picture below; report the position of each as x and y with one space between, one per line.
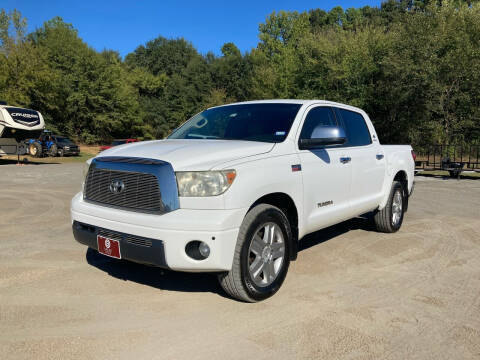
285 203
402 176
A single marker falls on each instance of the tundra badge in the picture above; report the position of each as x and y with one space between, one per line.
325 203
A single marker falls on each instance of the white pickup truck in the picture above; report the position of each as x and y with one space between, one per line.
235 188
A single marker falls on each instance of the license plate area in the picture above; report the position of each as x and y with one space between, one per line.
108 247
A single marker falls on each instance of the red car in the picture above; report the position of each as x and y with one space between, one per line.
117 142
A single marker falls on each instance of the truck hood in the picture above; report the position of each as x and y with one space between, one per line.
194 155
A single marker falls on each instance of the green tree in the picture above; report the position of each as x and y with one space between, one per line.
94 100
413 65
275 60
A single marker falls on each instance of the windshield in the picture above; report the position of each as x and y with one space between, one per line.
64 140
253 122
119 142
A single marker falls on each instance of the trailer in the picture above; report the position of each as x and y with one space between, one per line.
17 125
452 158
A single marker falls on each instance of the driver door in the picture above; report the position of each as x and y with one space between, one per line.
326 174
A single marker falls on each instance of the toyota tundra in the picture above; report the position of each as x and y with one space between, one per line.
234 189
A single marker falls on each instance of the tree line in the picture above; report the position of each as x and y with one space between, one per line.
414 66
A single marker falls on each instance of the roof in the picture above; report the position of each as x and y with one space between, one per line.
13 106
292 101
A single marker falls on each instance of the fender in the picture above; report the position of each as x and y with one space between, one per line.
391 173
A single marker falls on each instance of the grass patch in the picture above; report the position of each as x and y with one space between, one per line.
84 156
446 174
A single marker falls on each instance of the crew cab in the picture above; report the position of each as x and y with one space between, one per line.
234 189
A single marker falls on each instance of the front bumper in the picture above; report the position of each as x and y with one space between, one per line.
134 248
71 151
169 234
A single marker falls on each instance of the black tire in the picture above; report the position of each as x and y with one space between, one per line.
35 149
53 151
454 173
61 152
384 220
238 282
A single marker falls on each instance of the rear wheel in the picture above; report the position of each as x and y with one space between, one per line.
261 257
454 173
61 152
53 151
390 218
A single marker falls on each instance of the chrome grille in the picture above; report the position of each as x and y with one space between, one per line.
141 191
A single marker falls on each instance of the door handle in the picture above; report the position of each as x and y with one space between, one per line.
345 160
380 156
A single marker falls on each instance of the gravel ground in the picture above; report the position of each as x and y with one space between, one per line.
352 293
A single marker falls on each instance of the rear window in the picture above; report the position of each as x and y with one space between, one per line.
355 127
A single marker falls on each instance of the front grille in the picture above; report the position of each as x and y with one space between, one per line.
140 191
131 239
139 241
110 234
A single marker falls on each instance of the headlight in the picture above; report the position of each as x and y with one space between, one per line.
204 183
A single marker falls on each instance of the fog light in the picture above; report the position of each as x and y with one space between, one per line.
197 250
204 249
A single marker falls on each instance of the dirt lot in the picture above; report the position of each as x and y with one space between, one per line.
352 293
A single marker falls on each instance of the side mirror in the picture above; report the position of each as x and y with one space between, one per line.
323 136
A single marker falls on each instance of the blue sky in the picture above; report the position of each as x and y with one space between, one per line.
123 25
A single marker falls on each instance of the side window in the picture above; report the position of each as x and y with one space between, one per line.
355 127
318 116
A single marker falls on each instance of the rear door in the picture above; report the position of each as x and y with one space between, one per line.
367 162
326 180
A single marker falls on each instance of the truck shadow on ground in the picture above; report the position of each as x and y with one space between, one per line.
155 277
202 282
318 237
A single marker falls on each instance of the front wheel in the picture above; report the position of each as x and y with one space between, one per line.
390 218
262 255
35 149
